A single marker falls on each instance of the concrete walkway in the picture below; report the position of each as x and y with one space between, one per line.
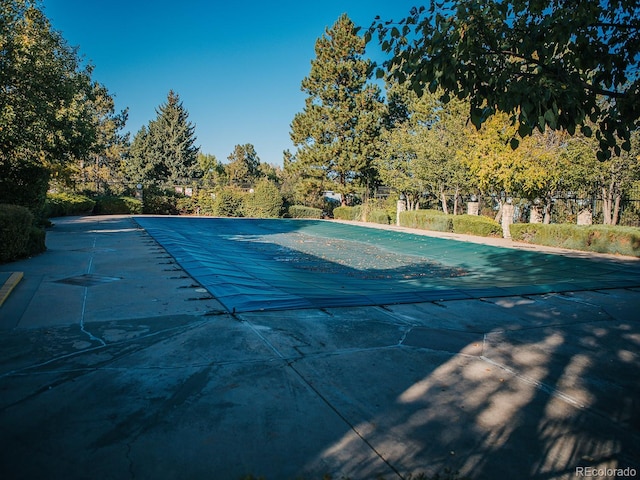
114 363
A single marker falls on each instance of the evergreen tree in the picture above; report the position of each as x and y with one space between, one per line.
141 166
164 151
335 134
173 140
244 165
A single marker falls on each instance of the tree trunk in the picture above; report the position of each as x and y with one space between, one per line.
606 206
443 200
455 200
498 217
412 201
616 209
547 212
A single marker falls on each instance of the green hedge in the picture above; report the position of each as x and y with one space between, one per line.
348 213
264 202
24 183
229 202
427 220
441 222
301 211
476 225
159 202
378 215
109 205
18 236
357 213
593 238
61 204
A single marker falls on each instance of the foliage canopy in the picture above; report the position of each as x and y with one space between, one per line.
164 150
51 111
547 63
336 132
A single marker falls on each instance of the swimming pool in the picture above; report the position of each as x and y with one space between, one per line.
275 264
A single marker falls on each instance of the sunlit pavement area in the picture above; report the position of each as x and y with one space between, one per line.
133 353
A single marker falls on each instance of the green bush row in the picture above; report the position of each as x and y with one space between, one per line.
301 211
476 225
362 213
108 205
62 204
593 238
264 201
440 222
378 215
427 220
18 236
348 213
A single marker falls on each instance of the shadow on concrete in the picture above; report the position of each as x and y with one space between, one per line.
521 386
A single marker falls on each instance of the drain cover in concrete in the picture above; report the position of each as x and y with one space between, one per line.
88 280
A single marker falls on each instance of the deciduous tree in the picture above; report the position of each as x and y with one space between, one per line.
421 144
546 63
244 165
50 109
608 180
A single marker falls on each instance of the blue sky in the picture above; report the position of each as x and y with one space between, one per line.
237 66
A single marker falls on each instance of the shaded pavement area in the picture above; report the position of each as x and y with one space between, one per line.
117 363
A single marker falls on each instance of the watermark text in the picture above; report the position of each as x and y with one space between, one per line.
606 472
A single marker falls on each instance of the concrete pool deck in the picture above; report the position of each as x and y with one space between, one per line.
115 363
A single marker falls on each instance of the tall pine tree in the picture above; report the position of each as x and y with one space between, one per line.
336 132
164 151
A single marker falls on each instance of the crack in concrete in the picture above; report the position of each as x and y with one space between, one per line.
291 364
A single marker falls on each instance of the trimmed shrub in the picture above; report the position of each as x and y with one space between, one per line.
301 211
348 213
378 215
24 183
476 225
18 237
264 202
229 202
36 243
594 238
159 202
187 205
109 205
427 220
205 202
61 204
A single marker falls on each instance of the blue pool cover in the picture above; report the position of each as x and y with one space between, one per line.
276 264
